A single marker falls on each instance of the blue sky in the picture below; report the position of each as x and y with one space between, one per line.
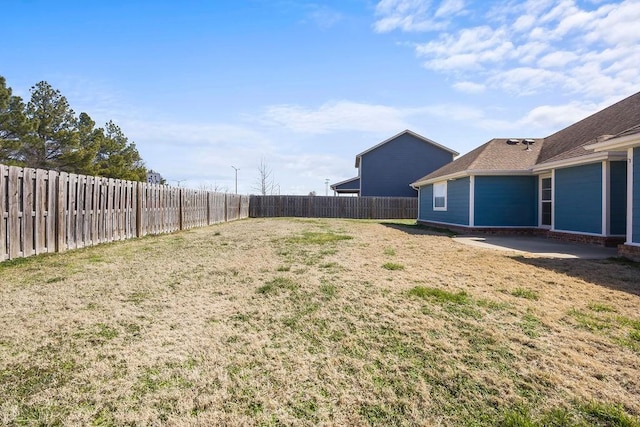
200 86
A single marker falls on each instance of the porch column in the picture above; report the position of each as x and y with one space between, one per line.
606 212
472 209
629 196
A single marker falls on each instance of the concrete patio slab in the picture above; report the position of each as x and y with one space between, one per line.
538 247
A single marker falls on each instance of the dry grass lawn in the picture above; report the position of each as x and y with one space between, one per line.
317 322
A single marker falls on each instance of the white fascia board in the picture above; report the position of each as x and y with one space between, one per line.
473 172
582 160
344 182
439 179
491 172
619 143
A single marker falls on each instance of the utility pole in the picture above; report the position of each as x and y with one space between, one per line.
326 185
236 169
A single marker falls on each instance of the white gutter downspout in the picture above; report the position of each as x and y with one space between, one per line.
419 200
606 198
629 196
553 200
472 192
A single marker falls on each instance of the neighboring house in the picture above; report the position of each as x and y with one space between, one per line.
387 169
154 177
558 185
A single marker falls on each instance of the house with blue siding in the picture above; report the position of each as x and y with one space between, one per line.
386 169
566 185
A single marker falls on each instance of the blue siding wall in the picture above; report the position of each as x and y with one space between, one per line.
506 201
457 203
389 169
618 197
578 199
635 237
349 185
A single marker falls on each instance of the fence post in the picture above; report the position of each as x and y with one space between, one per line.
61 226
139 193
208 194
180 209
3 198
13 219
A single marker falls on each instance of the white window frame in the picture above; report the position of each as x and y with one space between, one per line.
541 201
440 191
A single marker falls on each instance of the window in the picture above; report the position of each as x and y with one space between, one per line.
546 201
440 196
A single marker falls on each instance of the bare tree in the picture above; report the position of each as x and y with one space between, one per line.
265 185
215 187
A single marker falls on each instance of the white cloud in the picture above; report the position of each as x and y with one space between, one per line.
538 46
556 116
337 116
324 17
524 23
194 134
449 7
527 80
557 59
470 49
619 26
469 87
415 15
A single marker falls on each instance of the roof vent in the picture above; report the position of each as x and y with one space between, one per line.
513 141
529 142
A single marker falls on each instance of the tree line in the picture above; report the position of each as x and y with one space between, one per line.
45 133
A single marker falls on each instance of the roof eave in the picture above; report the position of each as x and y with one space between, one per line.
447 177
332 186
472 172
619 143
576 161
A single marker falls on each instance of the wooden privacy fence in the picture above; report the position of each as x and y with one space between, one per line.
334 207
47 211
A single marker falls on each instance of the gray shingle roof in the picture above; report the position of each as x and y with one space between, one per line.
612 120
631 131
497 155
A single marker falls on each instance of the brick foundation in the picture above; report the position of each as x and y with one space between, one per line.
630 252
609 241
539 232
492 231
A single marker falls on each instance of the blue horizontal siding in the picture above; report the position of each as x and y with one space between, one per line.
635 236
506 201
578 199
457 203
618 198
390 169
